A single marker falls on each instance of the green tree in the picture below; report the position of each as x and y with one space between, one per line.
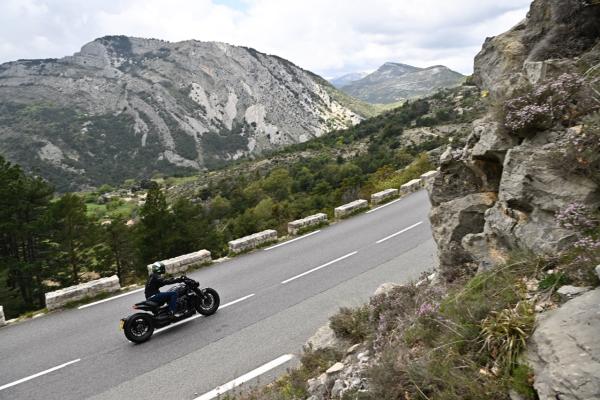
73 233
25 244
117 252
155 227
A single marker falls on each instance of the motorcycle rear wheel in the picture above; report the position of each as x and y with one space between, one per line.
210 303
139 327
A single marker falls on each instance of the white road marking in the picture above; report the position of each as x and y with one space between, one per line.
399 232
109 299
293 240
183 321
38 374
319 267
385 205
219 390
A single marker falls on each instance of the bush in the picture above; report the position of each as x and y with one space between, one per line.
558 100
352 324
505 333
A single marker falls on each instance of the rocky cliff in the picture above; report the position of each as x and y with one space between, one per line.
127 107
520 166
527 181
394 82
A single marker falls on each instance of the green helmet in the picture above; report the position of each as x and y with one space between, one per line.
158 268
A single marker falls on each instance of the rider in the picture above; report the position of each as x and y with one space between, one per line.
155 282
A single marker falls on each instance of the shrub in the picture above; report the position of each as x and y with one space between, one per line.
557 100
505 333
352 324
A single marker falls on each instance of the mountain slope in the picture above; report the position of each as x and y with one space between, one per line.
129 107
393 82
347 79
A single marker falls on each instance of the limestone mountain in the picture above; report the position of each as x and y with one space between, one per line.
393 82
347 79
128 107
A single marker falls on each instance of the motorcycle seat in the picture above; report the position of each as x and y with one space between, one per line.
148 303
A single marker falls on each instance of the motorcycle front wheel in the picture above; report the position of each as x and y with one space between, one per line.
209 303
139 327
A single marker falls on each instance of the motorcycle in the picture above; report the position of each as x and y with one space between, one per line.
191 299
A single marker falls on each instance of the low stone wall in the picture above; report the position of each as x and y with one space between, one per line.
2 319
411 186
184 262
295 226
347 209
428 177
252 241
383 196
59 298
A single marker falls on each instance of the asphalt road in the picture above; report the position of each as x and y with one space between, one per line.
274 300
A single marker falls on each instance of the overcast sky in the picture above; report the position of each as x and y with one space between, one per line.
329 37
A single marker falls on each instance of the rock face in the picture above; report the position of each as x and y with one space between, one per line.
127 107
565 351
501 191
394 82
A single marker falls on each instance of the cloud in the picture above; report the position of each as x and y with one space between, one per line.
329 37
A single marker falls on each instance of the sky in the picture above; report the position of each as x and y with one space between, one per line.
329 37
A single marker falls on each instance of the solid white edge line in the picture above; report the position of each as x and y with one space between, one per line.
319 267
399 232
110 298
183 321
39 374
385 205
293 240
219 390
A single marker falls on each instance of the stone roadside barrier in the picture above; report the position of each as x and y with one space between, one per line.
411 186
347 209
59 298
252 241
428 177
383 196
2 319
184 262
295 226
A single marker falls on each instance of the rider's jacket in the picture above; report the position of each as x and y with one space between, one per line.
155 282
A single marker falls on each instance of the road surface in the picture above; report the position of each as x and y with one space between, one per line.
274 299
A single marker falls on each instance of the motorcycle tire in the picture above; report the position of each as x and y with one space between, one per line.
139 328
210 303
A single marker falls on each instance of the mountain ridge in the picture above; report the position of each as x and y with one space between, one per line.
393 82
177 107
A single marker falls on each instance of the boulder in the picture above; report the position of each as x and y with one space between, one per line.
564 351
323 338
568 292
385 288
454 219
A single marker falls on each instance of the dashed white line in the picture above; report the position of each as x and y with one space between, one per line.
38 374
183 321
399 232
319 267
109 299
293 240
246 377
385 205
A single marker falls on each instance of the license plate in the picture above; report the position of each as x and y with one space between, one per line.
122 324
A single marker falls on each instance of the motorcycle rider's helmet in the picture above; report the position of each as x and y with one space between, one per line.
158 268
